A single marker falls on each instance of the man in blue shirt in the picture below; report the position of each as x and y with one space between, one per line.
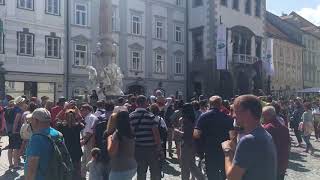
39 149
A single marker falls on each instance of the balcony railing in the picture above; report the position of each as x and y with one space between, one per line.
244 59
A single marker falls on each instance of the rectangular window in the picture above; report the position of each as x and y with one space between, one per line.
179 2
53 7
159 30
235 4
178 34
80 55
52 47
197 3
2 2
136 60
136 25
25 44
1 43
197 45
159 63
81 15
25 4
258 8
224 2
114 19
178 65
248 7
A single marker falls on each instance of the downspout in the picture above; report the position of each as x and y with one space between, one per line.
187 51
68 48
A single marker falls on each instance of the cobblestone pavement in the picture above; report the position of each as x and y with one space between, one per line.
302 166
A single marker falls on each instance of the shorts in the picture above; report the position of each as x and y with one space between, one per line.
15 141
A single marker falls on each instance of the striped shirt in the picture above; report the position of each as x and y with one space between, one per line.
143 130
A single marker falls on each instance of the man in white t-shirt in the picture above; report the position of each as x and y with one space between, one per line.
87 137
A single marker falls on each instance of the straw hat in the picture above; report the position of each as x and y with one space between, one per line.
19 100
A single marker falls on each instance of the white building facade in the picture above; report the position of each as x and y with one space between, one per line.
150 40
31 46
243 21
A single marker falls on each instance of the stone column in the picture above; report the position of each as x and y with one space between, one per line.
253 46
105 44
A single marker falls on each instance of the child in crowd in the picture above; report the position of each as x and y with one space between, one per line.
95 165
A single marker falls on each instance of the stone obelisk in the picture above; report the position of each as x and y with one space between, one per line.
105 44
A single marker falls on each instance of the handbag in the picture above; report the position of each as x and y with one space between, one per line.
25 131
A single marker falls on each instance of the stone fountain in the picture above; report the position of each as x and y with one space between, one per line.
105 75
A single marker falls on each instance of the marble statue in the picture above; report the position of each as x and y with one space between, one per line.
105 75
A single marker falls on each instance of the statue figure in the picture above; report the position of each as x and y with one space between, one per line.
105 76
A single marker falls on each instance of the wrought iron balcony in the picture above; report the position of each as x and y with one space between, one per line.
244 59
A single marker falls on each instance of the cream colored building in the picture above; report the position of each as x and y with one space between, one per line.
287 61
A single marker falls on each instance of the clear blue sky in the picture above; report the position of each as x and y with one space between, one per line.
286 6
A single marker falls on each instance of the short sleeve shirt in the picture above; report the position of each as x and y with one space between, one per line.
17 111
90 120
256 153
41 147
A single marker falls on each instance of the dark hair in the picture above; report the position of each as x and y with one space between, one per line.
179 104
141 100
121 100
100 104
251 103
196 105
154 108
96 152
132 99
307 105
87 107
123 125
109 106
32 106
276 107
188 112
203 103
226 104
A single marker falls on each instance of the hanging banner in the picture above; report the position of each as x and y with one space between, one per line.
221 49
269 66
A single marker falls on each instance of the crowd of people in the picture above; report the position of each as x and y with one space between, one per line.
244 138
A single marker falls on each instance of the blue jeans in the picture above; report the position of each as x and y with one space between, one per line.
123 175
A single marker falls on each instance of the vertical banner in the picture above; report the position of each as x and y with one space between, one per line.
221 49
269 57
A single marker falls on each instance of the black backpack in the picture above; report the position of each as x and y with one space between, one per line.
60 165
9 115
100 138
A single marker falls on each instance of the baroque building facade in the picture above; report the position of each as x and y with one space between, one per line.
32 48
150 42
245 51
287 76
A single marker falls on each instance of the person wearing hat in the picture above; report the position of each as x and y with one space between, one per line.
14 123
39 149
56 109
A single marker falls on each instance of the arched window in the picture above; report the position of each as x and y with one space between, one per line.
248 7
235 4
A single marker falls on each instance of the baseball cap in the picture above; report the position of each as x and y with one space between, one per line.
41 114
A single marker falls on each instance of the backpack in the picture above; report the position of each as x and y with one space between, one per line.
60 165
9 115
100 140
25 131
